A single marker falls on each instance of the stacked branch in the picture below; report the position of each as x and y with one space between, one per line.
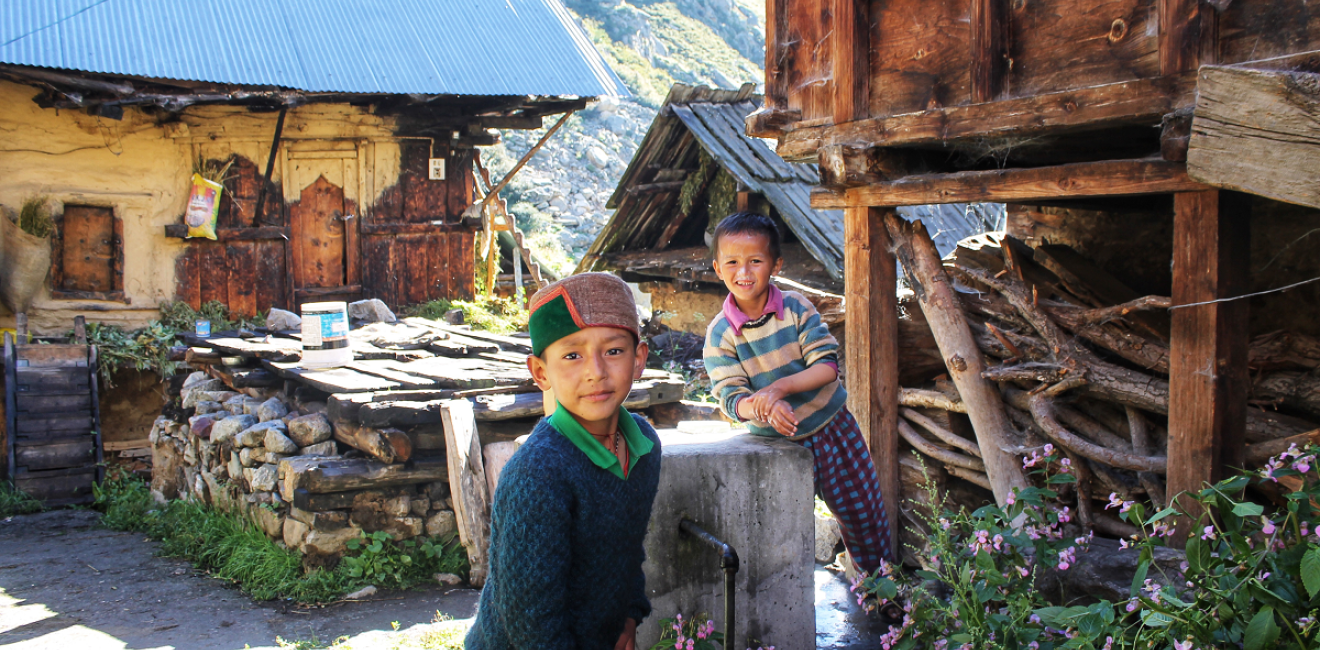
1088 376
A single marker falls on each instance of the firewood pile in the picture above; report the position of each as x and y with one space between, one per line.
1074 359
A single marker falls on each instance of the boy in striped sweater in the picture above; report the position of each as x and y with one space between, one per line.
774 365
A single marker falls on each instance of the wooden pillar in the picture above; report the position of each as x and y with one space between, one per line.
1208 382
989 45
850 59
1188 35
871 342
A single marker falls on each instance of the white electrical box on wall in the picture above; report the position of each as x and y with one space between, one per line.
437 169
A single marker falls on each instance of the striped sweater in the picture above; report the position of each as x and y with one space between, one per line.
742 358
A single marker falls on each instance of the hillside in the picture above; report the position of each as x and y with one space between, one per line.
559 197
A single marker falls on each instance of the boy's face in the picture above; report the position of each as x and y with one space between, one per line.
591 371
744 262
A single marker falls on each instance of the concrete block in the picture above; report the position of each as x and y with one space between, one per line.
755 494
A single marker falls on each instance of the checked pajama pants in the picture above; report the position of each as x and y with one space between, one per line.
847 482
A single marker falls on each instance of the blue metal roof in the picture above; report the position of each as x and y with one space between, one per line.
436 47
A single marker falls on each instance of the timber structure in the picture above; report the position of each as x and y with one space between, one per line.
1172 108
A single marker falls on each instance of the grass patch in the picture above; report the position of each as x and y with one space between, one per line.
230 547
493 314
14 501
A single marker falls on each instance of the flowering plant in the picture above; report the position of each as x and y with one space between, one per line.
1251 580
687 634
987 562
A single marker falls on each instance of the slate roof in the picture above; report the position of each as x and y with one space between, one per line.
714 120
434 47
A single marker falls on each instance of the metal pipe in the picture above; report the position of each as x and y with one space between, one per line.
728 563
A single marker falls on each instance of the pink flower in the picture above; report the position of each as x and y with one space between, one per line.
1063 566
1123 543
1010 499
1049 449
1182 645
1268 528
691 644
1024 572
1208 533
1132 605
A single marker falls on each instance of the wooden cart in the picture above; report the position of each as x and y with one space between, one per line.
52 417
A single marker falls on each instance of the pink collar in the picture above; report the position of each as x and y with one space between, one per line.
774 304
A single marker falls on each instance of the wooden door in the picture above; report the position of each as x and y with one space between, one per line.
88 236
317 237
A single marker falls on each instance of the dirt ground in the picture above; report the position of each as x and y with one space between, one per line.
68 584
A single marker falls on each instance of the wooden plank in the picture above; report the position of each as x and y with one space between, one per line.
323 475
1254 131
392 373
28 380
386 445
57 486
317 236
1180 35
464 373
333 380
1208 382
352 244
213 272
495 456
467 485
88 248
849 59
46 403
919 56
871 295
38 426
50 356
186 282
1076 180
1062 44
1144 101
73 453
989 45
180 231
243 279
270 267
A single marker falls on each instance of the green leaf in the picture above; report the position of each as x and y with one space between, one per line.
1139 578
1194 549
1262 631
1311 571
1161 514
885 589
1248 509
1061 478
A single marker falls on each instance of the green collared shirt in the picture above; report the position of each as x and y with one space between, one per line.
638 444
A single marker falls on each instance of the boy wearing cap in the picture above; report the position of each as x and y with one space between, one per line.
572 506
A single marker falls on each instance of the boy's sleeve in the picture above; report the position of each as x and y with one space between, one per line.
728 379
534 559
818 345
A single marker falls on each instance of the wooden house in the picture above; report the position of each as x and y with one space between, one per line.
696 166
352 139
1168 132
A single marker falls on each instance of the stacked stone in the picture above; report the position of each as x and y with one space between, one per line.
228 454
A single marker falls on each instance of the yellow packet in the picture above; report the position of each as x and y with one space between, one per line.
203 207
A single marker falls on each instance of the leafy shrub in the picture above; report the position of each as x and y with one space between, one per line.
14 501
377 560
147 348
493 314
680 634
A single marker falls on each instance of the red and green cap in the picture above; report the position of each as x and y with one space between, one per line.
578 302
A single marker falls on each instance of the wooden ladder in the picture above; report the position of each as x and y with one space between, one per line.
52 416
497 219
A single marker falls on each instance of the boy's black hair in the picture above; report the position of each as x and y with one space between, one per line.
740 223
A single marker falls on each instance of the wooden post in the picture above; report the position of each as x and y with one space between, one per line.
985 407
850 42
467 485
989 49
1208 380
1188 35
871 341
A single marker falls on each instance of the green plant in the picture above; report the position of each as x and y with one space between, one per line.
494 314
147 348
375 559
14 501
182 317
1250 580
987 561
34 217
682 634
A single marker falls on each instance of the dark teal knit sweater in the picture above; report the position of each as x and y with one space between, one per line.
565 548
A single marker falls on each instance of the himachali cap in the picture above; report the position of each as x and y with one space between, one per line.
578 302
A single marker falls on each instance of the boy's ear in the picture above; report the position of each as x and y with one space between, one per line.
639 364
779 266
715 263
537 367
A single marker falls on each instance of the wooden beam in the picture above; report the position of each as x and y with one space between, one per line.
850 59
871 333
1254 131
941 307
1076 180
989 44
1208 381
1144 101
467 485
1188 35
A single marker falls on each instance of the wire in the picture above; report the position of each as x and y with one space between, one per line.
45 27
1250 295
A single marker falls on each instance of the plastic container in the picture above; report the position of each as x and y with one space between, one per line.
325 335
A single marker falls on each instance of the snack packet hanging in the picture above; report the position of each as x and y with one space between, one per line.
203 207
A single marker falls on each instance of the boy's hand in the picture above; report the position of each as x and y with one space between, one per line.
627 640
762 401
781 418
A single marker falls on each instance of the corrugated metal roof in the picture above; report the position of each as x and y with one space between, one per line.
435 47
715 119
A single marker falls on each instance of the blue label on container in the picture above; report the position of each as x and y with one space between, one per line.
325 331
203 327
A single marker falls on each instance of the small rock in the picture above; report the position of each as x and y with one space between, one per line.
441 523
371 311
279 319
252 437
279 443
448 579
310 429
326 448
597 157
294 532
827 538
235 467
365 592
419 506
398 506
263 478
269 521
330 542
271 409
200 425
194 379
454 317
227 428
246 460
205 407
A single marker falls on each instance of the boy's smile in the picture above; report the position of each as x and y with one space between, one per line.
591 372
744 262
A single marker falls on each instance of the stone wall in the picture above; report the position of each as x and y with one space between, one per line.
233 454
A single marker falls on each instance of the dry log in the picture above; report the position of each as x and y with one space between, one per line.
1283 351
1141 443
918 398
1043 413
947 436
949 458
1299 390
935 294
467 484
385 445
975 478
1258 453
321 475
1085 509
1110 525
